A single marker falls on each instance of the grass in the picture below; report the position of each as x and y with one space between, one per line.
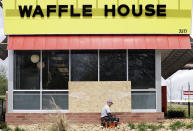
181 108
152 127
145 127
2 96
131 125
177 125
142 127
189 126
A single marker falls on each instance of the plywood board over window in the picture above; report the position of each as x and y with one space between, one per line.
86 97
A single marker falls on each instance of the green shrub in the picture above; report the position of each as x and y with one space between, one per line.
160 126
142 127
7 129
3 125
177 125
18 129
155 127
131 125
4 84
152 127
176 114
189 126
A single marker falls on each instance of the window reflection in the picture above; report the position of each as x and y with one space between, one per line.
27 75
26 100
55 100
113 65
55 66
84 65
141 69
143 100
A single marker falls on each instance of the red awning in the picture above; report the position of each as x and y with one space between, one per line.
97 42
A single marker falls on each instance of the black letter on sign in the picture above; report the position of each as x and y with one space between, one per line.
161 10
123 13
38 11
87 10
150 9
72 11
109 10
140 10
25 10
62 8
50 8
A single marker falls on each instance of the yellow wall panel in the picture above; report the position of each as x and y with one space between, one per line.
10 4
87 2
67 2
101 3
27 2
185 5
178 17
171 4
129 2
144 2
44 3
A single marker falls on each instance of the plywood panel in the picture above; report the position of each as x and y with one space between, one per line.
85 97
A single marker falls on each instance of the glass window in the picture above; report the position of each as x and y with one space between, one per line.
55 65
84 65
55 100
26 100
27 70
141 69
143 100
113 65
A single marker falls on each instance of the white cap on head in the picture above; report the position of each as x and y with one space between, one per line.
110 101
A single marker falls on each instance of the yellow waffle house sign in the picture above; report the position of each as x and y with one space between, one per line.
97 16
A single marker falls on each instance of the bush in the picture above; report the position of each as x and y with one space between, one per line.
131 125
189 126
60 121
3 125
177 125
7 129
176 114
142 127
18 129
155 127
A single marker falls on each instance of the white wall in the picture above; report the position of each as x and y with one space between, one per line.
177 83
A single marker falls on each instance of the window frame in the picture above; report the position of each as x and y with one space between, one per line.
12 90
41 90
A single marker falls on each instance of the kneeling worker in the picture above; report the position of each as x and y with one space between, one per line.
106 112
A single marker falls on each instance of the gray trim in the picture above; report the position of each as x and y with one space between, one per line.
41 80
10 79
40 111
144 89
69 65
127 62
158 79
98 65
143 110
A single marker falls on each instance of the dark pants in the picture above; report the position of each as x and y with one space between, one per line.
109 119
104 119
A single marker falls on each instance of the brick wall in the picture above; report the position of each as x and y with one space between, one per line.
89 118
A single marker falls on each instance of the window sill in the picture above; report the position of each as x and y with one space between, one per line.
143 110
39 111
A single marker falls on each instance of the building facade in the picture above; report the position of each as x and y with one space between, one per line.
76 64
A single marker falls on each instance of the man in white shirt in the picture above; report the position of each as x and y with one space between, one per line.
106 112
